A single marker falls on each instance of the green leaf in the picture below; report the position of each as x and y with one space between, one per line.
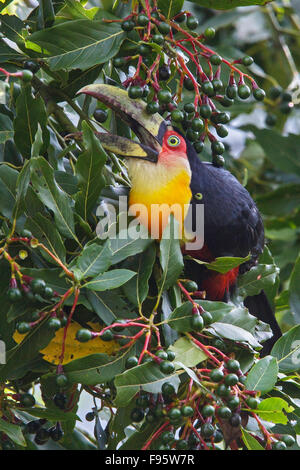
7 53
21 189
171 259
281 150
170 8
108 306
13 431
271 409
283 200
94 260
30 113
43 229
136 289
146 376
53 197
110 280
8 181
287 351
79 44
11 27
294 290
97 368
187 352
250 442
125 245
234 333
181 318
6 128
89 168
263 375
223 264
228 4
259 277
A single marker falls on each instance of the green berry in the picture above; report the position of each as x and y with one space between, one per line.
188 84
107 335
27 400
159 411
54 324
167 437
285 107
181 444
164 96
144 50
216 375
191 135
27 76
215 59
231 91
221 130
217 147
198 146
158 39
231 379
252 402
177 115
205 111
275 92
288 440
61 380
174 414
168 389
259 94
197 125
23 327
142 20
244 91
223 118
209 33
162 354
207 430
226 102
208 88
100 115
192 22
247 60
218 436
207 411
181 18
207 318
167 367
131 361
171 355
164 28
32 426
224 412
233 365
48 293
14 294
127 25
38 286
189 108
279 446
271 120
83 335
60 400
197 322
192 286
137 415
233 402
135 92
217 84
223 390
152 107
187 411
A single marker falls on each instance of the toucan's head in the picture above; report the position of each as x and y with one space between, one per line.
158 141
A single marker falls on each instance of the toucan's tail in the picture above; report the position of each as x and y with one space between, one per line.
259 306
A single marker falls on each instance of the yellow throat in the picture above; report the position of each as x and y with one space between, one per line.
155 184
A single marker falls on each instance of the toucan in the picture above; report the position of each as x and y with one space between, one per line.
164 168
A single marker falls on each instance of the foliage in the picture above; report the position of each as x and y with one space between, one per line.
85 317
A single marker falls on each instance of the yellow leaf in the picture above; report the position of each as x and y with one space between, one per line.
73 348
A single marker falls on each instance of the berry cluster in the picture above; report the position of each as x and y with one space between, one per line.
169 51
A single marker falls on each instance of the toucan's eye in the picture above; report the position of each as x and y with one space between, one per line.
173 141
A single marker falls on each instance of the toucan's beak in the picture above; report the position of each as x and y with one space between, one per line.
149 129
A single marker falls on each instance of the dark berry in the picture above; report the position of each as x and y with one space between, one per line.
181 444
107 335
14 294
188 84
27 400
192 22
167 437
100 115
232 365
168 389
235 420
32 426
38 286
127 25
137 415
56 433
259 94
54 324
23 327
247 60
216 375
135 91
42 436
152 107
164 72
90 416
60 400
207 430
167 367
131 362
275 92
224 412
